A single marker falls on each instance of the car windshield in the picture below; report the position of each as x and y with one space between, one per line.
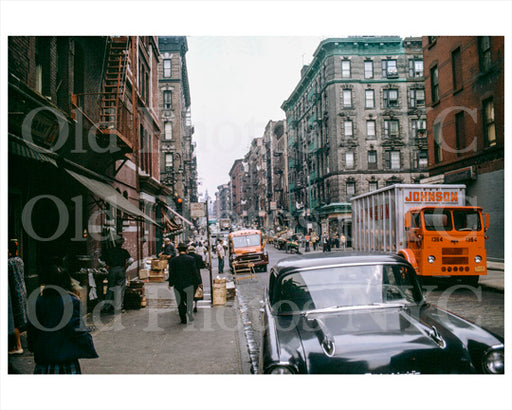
466 220
347 286
246 240
438 220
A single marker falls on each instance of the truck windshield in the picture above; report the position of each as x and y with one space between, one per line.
466 220
246 240
438 220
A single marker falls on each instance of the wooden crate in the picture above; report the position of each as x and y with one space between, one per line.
158 264
156 276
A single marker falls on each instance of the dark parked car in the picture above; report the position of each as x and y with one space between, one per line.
359 313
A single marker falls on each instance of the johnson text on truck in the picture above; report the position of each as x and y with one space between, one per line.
429 225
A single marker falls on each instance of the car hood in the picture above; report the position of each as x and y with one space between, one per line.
386 340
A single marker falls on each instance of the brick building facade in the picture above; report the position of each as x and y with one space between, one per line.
464 90
83 133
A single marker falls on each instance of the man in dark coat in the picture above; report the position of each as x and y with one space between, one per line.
200 265
185 277
117 260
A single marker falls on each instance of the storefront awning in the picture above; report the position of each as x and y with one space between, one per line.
29 150
169 223
179 216
110 195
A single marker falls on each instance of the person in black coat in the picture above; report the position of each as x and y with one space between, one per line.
56 333
200 265
185 277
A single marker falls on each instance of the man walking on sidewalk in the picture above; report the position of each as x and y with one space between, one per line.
185 277
220 255
117 260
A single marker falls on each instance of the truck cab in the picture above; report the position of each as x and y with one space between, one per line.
247 246
447 241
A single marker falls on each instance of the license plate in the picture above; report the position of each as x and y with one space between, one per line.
479 268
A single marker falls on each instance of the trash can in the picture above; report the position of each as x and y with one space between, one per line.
219 292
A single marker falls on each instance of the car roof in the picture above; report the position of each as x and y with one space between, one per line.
321 260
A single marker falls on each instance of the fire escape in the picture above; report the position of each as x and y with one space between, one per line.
107 111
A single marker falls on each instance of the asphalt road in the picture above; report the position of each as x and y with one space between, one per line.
482 305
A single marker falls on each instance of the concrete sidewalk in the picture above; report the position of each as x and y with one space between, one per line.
152 340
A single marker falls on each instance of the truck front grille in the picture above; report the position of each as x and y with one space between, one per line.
455 256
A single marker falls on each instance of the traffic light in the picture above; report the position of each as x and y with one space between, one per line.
179 205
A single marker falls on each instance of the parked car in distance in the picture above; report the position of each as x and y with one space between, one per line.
354 313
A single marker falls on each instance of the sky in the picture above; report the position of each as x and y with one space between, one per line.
237 85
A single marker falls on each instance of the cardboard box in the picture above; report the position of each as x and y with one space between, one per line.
143 274
158 264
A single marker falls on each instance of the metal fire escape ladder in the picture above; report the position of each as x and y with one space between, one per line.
114 82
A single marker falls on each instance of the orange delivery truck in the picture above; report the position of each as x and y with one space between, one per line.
247 246
429 225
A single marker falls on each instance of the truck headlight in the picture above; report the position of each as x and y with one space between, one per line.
431 259
478 259
281 370
494 361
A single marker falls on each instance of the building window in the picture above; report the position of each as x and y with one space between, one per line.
432 40
169 163
416 97
370 99
438 143
345 69
434 84
351 188
393 159
368 69
349 159
370 129
390 98
489 123
460 132
168 130
372 159
415 68
419 129
348 130
389 69
423 159
373 186
167 68
347 98
456 69
484 51
420 159
167 100
391 128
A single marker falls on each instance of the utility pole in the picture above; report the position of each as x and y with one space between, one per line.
209 250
